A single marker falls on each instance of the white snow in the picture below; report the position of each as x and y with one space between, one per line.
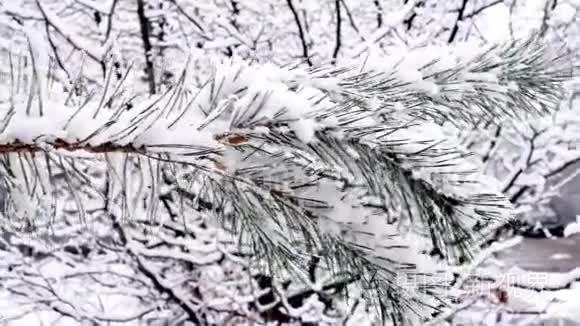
496 20
304 129
563 14
560 256
572 228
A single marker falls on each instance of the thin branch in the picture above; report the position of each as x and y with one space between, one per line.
147 48
548 9
379 13
562 167
72 41
492 144
482 8
59 144
338 30
350 17
155 279
188 16
55 50
305 54
459 19
110 20
409 21
512 179
235 14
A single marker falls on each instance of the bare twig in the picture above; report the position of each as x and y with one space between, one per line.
338 30
305 54
459 19
147 48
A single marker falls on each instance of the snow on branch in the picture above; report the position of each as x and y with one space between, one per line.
466 84
348 163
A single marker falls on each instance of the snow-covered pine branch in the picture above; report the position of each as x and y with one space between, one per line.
535 160
348 163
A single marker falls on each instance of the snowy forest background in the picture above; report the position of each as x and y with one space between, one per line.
93 233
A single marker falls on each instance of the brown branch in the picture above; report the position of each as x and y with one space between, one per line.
231 139
18 147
